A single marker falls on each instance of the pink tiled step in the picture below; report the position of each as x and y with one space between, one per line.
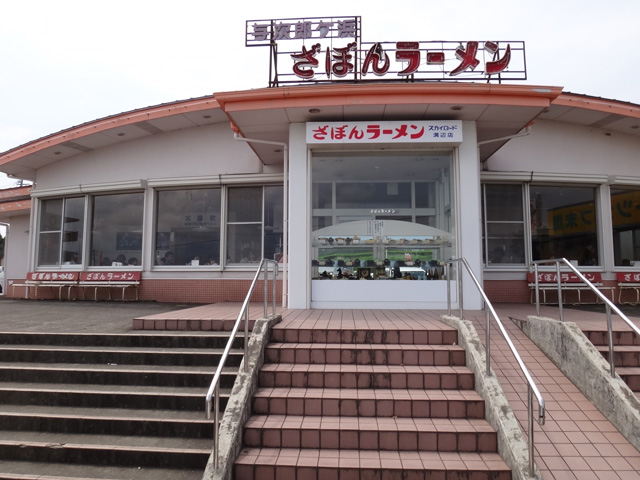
599 337
444 336
625 356
332 464
365 376
365 354
419 434
369 403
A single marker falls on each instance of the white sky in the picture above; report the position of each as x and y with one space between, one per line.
67 62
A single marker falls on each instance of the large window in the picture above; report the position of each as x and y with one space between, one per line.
116 229
625 217
254 223
61 232
188 227
564 223
560 221
504 232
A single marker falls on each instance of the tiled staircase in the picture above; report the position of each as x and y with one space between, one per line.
116 406
362 404
626 354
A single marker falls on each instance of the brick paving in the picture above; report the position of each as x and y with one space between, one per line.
577 441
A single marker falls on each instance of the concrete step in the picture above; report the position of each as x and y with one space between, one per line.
624 355
390 434
369 402
444 336
15 470
365 354
109 450
113 421
631 376
117 355
107 396
365 376
305 464
599 337
137 340
114 374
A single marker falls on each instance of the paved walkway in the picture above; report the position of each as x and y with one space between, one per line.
577 442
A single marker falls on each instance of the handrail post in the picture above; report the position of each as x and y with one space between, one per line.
488 336
559 291
266 287
535 268
448 267
216 421
275 278
530 410
459 279
612 366
246 340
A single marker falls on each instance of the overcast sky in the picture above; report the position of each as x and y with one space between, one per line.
67 62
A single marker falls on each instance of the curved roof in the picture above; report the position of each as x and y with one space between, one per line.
498 110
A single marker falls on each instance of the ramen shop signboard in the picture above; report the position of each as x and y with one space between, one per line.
330 49
441 131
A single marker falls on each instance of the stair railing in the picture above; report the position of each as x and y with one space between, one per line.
213 395
532 388
609 305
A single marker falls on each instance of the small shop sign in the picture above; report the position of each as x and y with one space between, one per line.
442 131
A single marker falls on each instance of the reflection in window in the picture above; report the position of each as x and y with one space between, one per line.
116 230
564 223
60 236
188 227
503 225
625 217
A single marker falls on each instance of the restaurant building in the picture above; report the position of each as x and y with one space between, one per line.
360 189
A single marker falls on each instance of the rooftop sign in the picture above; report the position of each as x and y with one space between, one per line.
321 50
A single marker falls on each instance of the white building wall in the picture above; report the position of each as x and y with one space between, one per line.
299 211
469 213
194 152
16 252
555 147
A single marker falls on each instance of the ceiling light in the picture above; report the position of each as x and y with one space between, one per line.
278 150
206 116
456 108
121 134
57 153
314 110
635 127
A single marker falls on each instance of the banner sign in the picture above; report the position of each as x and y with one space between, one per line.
441 131
330 49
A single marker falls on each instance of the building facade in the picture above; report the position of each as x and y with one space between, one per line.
379 183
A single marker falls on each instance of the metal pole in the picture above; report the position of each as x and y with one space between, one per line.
488 337
459 279
559 292
275 278
246 339
447 266
535 269
266 287
610 339
216 415
530 405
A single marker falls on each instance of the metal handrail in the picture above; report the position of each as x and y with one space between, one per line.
214 389
532 388
608 303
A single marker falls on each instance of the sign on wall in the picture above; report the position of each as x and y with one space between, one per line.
444 131
330 49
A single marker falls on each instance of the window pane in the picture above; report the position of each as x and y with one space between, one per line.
49 233
425 195
188 227
244 243
116 231
245 204
504 203
49 249
51 215
73 231
322 195
273 197
505 243
564 223
625 216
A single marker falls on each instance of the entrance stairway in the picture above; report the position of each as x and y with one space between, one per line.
626 354
367 404
116 406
